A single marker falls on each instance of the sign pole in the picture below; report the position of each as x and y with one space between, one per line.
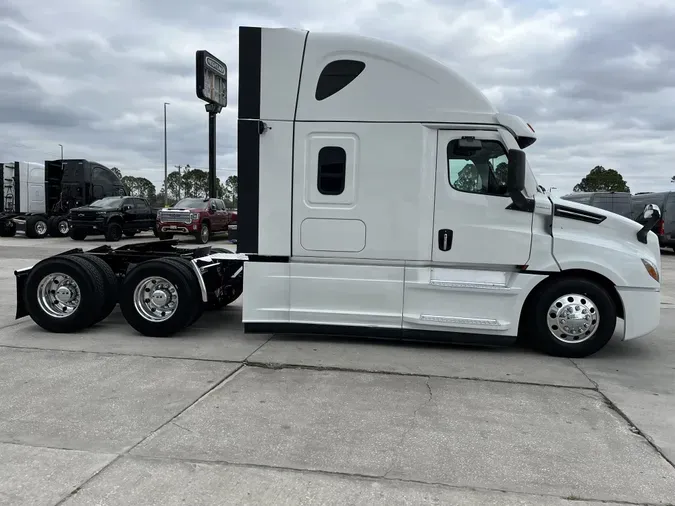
212 109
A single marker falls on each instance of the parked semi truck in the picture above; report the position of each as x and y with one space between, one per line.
344 141
36 198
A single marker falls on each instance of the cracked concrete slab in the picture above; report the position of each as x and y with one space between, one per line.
639 377
517 438
144 482
500 364
43 476
114 335
95 402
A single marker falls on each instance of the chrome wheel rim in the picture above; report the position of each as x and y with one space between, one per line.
205 233
156 299
63 227
573 318
40 227
58 295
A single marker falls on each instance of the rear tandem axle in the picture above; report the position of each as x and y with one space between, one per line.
161 288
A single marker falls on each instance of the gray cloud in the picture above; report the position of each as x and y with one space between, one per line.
595 79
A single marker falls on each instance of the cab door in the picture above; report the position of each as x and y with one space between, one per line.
476 224
222 215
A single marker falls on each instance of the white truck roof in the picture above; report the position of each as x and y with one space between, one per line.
391 84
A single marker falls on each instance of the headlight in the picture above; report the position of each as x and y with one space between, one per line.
651 269
194 216
101 213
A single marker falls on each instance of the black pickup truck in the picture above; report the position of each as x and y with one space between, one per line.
113 217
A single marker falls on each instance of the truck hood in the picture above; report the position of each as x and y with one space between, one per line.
621 224
587 237
614 228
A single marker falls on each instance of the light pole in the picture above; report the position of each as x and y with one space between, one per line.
166 189
61 156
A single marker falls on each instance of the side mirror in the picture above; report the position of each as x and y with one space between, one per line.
126 207
651 211
515 178
651 215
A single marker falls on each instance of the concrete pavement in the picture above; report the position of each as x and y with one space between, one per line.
218 417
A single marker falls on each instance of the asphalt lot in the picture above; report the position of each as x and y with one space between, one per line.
218 417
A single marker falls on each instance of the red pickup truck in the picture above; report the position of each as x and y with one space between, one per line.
198 217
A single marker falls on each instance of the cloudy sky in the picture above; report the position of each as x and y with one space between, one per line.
596 78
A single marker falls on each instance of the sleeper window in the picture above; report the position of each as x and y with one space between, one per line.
336 76
332 165
478 170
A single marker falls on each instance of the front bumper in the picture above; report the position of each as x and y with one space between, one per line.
642 309
178 228
667 241
97 225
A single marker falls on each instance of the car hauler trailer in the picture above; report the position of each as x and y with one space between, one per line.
343 142
36 198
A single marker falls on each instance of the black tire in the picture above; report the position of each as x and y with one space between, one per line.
187 298
591 294
61 226
113 232
78 234
58 226
185 267
50 226
7 228
204 233
91 287
129 233
164 235
111 285
37 227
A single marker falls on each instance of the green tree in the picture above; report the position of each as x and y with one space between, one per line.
195 183
600 179
140 187
230 191
502 172
117 172
468 179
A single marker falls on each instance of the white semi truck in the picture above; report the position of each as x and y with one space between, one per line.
383 195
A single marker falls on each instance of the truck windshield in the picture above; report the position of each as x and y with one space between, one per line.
191 203
107 202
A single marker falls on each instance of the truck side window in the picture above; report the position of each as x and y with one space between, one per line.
482 170
103 176
336 76
331 170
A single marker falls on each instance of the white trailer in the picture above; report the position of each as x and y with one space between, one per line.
383 195
23 193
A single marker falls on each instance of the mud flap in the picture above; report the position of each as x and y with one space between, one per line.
21 277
